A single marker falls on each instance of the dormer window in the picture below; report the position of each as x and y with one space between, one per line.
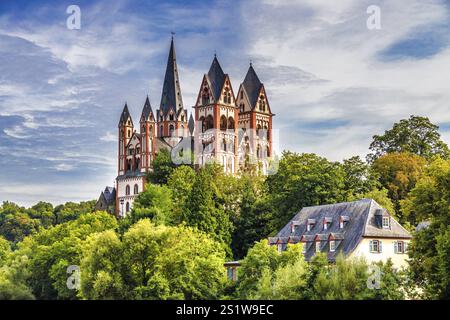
327 223
332 246
386 223
317 246
343 221
279 247
310 224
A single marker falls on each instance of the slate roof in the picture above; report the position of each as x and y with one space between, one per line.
216 78
171 93
252 86
110 194
361 223
147 110
125 115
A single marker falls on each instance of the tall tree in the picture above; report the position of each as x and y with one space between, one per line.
414 135
304 180
399 173
162 167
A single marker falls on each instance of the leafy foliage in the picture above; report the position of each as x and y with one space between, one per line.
415 135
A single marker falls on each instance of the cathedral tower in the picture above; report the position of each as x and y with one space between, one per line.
255 121
216 116
171 115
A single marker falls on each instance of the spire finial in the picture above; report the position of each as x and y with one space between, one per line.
251 62
173 33
215 53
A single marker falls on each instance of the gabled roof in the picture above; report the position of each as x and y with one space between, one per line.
171 93
361 215
252 86
147 110
125 115
216 78
109 194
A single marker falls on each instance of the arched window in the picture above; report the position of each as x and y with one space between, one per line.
224 145
161 131
205 96
171 117
265 132
209 122
258 128
223 123
136 189
227 96
202 121
128 207
262 104
129 133
267 152
171 130
230 123
138 163
127 190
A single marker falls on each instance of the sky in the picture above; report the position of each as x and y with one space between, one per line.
332 82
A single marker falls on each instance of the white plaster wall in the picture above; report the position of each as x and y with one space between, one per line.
398 259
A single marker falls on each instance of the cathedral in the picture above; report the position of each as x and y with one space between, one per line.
234 130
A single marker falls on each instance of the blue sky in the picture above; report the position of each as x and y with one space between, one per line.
332 83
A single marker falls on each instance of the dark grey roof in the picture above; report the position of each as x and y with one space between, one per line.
171 94
191 124
109 194
361 216
147 110
252 86
125 115
216 78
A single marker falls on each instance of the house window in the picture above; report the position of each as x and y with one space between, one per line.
303 248
317 246
309 227
375 246
341 224
332 246
386 222
399 247
279 247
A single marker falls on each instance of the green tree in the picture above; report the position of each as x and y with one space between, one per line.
206 208
153 262
180 183
415 135
358 178
71 210
304 180
162 167
15 223
155 203
399 173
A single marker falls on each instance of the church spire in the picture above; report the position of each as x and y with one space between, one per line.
171 94
125 115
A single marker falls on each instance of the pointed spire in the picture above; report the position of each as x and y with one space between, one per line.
125 115
171 94
191 124
216 78
147 110
252 85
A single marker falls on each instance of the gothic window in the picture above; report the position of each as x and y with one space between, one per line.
182 117
230 123
224 145
138 163
267 152
161 131
171 130
205 96
258 128
241 107
262 104
127 190
171 117
223 123
128 207
209 123
202 121
136 189
161 118
242 94
227 96
129 133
